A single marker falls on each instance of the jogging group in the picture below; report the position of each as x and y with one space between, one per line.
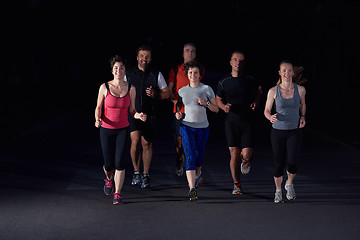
126 114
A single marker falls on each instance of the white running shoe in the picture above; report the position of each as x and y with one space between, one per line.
245 167
278 197
237 189
290 192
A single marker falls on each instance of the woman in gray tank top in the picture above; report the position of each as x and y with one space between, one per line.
287 124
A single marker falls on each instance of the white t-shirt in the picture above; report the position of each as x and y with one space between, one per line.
195 114
161 81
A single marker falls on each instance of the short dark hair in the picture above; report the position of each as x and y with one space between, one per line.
115 59
193 64
144 48
189 44
237 51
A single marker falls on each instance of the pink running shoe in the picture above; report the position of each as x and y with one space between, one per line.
108 187
117 199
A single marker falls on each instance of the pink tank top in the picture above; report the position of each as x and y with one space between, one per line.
116 110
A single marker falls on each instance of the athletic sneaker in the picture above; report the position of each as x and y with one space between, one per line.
136 179
237 189
198 180
179 170
290 192
193 195
245 167
278 197
145 181
108 187
117 199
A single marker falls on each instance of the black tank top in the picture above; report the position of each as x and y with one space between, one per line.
141 81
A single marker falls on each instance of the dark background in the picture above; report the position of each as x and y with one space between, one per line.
54 54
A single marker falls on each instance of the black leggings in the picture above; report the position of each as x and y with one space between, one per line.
115 147
285 144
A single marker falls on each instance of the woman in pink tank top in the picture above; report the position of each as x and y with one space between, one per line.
115 101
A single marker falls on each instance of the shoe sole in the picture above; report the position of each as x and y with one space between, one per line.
236 193
290 198
136 182
192 199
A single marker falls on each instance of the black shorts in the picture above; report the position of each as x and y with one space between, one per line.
146 128
239 134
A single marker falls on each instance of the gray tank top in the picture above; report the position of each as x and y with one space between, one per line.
287 110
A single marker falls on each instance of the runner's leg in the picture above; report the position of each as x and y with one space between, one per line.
235 163
135 150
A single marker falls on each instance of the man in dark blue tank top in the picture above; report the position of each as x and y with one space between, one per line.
238 96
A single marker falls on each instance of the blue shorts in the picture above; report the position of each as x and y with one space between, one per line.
194 141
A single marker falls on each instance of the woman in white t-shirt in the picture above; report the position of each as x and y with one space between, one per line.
194 130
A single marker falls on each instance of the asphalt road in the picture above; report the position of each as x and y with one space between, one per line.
51 188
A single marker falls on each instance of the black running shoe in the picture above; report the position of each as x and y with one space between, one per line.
145 181
136 179
179 169
198 180
193 195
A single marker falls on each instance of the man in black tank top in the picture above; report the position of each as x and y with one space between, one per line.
238 96
141 81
